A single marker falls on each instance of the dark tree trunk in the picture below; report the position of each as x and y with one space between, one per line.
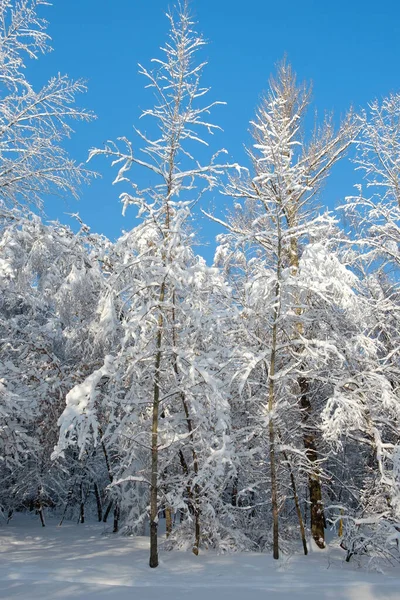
108 510
274 493
153 561
196 544
194 491
82 506
314 483
69 498
271 425
98 503
116 518
234 495
41 516
297 505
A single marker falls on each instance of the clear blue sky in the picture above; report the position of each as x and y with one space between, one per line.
349 49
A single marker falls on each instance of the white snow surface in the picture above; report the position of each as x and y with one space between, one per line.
85 562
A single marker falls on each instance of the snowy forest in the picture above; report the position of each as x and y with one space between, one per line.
252 404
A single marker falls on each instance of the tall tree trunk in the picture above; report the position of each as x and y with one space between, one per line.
340 532
41 515
116 518
82 505
234 494
195 490
297 504
272 458
168 521
69 498
194 494
39 505
317 517
271 406
111 478
106 457
153 562
108 510
98 503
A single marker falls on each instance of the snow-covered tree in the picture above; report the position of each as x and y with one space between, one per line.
50 283
272 223
372 391
33 122
170 417
249 402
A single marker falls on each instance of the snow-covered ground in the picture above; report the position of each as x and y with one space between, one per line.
81 562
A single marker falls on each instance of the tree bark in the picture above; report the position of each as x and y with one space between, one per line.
82 505
271 406
98 503
317 517
194 493
108 510
195 490
41 515
116 518
272 458
340 532
168 521
297 504
153 562
314 483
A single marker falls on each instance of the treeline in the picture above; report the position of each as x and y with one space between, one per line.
252 403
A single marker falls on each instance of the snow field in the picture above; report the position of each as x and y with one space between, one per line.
84 562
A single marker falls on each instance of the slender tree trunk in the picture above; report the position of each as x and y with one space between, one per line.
271 406
314 483
98 503
111 478
185 469
108 510
194 494
234 494
69 498
41 515
116 518
340 532
82 505
272 458
196 544
103 447
306 508
39 505
153 562
297 504
168 520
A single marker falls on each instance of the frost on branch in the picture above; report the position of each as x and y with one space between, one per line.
79 420
33 122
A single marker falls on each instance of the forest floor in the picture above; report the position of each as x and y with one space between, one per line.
84 562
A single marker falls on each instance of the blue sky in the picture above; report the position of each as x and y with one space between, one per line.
349 49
